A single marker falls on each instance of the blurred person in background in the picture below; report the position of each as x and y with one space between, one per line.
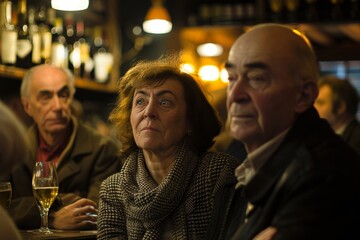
83 157
14 150
168 182
338 103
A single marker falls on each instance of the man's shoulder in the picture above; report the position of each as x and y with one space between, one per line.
352 133
221 158
330 157
313 147
87 140
86 133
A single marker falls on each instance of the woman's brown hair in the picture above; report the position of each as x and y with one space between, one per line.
203 118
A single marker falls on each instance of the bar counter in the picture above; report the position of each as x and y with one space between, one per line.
58 234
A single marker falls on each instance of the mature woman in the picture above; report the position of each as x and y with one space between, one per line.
167 185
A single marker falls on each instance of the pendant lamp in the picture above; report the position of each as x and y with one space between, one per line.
157 19
70 5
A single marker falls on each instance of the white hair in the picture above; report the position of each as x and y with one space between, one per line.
24 89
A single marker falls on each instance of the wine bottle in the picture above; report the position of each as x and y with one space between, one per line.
35 37
250 11
312 11
59 52
261 9
78 50
85 59
43 16
192 16
70 36
239 11
292 10
276 7
8 35
354 9
23 44
103 58
205 12
336 10
228 13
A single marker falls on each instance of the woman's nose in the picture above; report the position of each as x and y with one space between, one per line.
150 111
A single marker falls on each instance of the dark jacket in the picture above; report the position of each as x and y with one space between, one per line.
89 160
237 149
308 189
351 135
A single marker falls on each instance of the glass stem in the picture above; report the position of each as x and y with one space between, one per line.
44 220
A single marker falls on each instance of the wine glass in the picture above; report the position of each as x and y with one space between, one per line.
45 189
5 194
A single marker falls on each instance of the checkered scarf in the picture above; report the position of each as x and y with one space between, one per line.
148 204
133 207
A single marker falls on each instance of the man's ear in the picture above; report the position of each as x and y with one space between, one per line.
25 103
340 108
306 98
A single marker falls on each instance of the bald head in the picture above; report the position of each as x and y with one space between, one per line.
278 32
272 80
45 70
282 43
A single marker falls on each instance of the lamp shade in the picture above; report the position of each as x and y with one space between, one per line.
70 5
157 20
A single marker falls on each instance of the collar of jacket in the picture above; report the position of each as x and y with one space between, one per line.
350 129
267 176
76 144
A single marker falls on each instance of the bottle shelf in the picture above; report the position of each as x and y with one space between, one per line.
210 12
81 83
331 42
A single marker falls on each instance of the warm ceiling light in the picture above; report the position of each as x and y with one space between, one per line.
187 68
224 75
157 19
209 50
209 73
70 5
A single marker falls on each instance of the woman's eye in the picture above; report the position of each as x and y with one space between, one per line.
165 102
139 101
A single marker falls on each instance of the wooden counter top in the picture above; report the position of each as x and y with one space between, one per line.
58 234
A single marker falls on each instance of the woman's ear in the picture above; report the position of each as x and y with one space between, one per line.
307 96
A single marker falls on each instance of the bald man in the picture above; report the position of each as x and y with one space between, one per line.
299 180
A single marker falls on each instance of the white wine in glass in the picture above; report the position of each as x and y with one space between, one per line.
45 188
